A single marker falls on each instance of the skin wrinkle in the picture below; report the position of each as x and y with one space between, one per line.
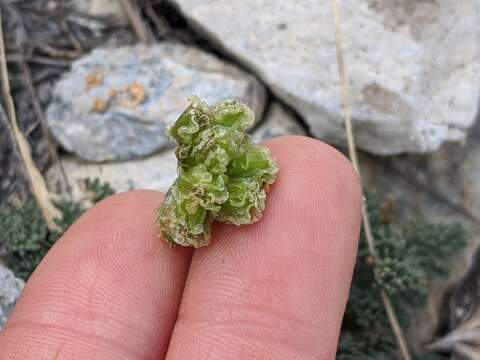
96 286
257 292
60 350
58 336
68 331
262 320
101 326
223 344
254 318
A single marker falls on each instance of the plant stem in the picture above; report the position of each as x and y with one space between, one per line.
37 183
347 109
143 32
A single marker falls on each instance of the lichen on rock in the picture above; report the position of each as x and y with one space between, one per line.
222 175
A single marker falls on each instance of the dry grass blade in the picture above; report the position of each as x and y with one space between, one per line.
43 122
142 31
158 22
347 109
37 183
57 52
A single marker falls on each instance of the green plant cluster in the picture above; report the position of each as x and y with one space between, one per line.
409 258
24 235
221 174
97 190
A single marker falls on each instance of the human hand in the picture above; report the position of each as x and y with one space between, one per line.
276 289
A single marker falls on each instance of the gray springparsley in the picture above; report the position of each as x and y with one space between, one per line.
222 175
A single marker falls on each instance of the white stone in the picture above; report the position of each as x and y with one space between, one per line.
414 66
116 103
278 122
107 8
156 172
10 289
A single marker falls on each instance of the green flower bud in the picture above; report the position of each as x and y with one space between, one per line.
221 174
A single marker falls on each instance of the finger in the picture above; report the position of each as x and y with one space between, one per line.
277 289
109 289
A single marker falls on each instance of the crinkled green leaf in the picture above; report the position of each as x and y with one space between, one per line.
221 174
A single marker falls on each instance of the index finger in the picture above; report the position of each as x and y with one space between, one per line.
277 289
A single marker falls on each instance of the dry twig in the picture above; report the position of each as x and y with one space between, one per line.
37 183
38 59
158 21
56 52
71 36
142 31
347 109
43 122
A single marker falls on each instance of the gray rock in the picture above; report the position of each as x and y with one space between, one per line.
10 288
156 172
116 103
451 174
414 66
278 122
108 8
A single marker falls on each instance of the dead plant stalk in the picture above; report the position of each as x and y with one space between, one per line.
141 29
347 110
37 183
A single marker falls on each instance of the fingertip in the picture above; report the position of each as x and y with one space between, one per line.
316 182
317 157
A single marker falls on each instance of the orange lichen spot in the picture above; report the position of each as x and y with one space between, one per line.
100 105
128 96
135 95
137 91
112 92
94 79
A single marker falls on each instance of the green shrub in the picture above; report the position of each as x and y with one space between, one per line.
409 258
25 236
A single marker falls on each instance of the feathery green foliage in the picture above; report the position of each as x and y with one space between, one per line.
97 190
221 174
410 257
25 235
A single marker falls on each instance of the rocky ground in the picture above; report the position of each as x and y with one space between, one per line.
414 70
10 288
